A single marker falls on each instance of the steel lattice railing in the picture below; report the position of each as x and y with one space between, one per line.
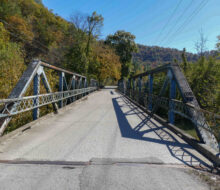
172 80
179 108
19 105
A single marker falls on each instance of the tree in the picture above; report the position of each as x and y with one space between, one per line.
90 25
124 44
105 64
200 45
21 31
80 21
38 1
204 80
76 59
185 63
11 63
95 22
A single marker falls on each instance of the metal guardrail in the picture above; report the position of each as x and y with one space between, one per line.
207 124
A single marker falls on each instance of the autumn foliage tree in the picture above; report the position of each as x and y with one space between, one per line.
39 33
124 45
11 63
105 63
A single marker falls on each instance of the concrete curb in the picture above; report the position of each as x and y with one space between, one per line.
205 150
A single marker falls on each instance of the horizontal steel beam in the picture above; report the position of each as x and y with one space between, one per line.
60 69
156 70
28 103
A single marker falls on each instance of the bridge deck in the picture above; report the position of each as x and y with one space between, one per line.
104 129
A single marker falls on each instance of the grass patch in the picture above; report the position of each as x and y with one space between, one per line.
187 126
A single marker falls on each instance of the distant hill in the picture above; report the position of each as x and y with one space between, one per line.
152 56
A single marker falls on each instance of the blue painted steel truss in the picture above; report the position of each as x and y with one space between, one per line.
187 108
17 103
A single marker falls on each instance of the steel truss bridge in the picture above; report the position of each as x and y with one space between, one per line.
100 137
139 88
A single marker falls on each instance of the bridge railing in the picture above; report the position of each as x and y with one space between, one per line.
21 99
32 102
166 88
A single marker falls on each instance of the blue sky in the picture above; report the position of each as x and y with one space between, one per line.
148 19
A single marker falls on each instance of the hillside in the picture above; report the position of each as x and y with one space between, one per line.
152 56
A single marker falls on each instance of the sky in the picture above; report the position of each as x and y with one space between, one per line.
166 23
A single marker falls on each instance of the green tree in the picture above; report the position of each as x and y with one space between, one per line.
200 45
124 44
95 22
184 58
87 29
203 77
76 58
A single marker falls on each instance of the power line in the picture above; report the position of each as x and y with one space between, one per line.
202 5
168 21
178 19
24 33
18 37
188 20
30 38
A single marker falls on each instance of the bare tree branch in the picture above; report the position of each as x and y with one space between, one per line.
200 45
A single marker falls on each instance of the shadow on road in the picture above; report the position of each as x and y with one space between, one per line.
177 149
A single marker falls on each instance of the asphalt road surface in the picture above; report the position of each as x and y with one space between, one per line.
101 143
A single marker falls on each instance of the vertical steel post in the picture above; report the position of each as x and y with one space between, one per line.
133 88
150 87
73 86
85 86
36 111
145 100
136 90
76 85
139 88
124 86
61 76
129 87
80 85
171 115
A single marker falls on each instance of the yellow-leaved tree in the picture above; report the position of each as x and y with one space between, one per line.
105 64
11 63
